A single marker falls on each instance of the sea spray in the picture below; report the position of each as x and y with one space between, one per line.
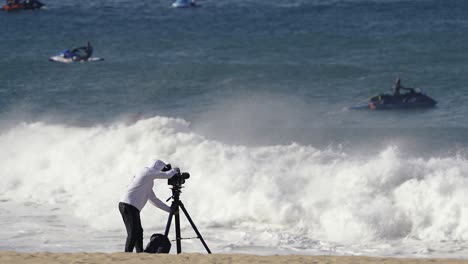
301 190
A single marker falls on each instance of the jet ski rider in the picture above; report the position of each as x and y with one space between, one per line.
82 53
29 4
33 4
12 2
397 86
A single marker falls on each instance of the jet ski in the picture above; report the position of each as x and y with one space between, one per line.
28 5
185 4
415 99
67 56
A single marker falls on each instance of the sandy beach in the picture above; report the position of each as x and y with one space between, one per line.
10 257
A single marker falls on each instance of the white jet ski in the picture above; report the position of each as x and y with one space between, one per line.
67 56
184 4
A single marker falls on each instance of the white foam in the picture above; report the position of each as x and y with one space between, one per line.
290 196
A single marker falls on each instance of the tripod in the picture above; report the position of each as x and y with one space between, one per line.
176 204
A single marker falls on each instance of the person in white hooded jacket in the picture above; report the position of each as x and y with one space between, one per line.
132 202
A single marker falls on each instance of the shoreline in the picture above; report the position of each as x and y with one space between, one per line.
108 258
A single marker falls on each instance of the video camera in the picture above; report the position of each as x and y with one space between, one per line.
178 179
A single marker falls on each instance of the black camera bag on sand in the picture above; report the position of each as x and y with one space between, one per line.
158 244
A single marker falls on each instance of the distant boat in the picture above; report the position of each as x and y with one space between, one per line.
19 5
185 3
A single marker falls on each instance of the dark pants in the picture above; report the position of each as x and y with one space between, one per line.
131 218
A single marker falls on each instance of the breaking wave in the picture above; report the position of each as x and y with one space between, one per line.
323 194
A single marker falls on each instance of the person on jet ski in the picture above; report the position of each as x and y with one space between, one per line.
82 53
397 87
28 3
33 4
12 2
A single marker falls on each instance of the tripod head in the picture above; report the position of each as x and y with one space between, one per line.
175 193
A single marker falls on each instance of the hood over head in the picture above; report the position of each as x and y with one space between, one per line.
158 165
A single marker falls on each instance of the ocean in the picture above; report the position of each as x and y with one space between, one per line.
252 99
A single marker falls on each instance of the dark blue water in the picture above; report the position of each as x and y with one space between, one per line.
288 69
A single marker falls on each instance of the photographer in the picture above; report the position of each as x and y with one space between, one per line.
138 193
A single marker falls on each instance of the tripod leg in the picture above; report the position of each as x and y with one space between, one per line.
181 205
177 226
177 230
168 225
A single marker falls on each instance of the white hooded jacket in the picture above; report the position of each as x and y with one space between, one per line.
140 189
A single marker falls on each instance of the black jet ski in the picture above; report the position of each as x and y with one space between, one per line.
411 100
